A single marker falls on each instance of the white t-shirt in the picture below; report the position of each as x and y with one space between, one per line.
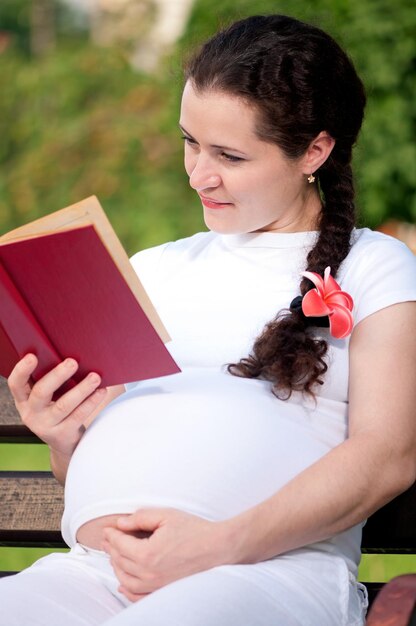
207 442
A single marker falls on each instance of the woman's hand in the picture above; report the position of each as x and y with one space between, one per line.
58 423
180 545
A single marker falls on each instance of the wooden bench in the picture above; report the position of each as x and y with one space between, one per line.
31 505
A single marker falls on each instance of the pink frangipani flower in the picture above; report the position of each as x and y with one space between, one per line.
328 299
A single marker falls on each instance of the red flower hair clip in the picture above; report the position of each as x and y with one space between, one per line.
329 300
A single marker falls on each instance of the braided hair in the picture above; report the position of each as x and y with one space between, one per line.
301 83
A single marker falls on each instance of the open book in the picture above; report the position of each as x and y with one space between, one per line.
67 289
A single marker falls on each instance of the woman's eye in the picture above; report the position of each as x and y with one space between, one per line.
188 140
231 157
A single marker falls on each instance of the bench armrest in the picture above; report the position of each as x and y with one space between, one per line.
395 604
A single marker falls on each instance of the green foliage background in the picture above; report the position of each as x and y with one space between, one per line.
80 121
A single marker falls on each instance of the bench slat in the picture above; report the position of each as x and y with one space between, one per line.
31 506
17 433
392 529
32 502
8 413
11 428
396 603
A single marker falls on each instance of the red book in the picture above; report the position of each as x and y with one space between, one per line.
67 289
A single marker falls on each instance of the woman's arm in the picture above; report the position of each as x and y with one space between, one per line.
60 424
376 462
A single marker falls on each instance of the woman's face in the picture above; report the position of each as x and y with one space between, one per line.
245 184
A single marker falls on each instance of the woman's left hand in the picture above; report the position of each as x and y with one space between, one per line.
180 545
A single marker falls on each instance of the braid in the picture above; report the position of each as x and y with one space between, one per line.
301 83
287 352
337 217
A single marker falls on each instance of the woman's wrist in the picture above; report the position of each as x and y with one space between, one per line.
238 541
59 462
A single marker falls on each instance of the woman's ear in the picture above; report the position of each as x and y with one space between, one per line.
317 153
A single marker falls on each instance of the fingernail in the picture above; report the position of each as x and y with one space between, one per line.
70 363
94 378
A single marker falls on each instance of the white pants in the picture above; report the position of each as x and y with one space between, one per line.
302 588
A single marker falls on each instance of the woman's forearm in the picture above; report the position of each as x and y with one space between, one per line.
337 492
59 465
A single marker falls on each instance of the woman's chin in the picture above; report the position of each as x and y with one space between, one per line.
223 226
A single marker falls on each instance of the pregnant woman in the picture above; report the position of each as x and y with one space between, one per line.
234 493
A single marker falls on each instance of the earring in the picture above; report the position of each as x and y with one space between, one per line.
311 179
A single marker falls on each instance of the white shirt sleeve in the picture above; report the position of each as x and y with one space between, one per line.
382 272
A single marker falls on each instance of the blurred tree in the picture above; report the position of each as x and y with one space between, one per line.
15 19
82 122
42 26
383 40
35 24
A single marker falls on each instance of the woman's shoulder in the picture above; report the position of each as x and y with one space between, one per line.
365 238
379 271
371 248
365 241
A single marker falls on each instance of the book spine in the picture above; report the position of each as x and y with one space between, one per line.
22 330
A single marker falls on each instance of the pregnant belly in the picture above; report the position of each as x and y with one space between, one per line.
203 442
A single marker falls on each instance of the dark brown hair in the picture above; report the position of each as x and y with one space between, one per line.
301 83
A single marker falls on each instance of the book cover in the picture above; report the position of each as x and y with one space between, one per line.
67 289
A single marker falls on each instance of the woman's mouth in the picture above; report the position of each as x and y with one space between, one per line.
209 203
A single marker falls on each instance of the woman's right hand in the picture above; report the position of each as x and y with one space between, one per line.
60 423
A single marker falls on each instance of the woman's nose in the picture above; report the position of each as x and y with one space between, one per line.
202 175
